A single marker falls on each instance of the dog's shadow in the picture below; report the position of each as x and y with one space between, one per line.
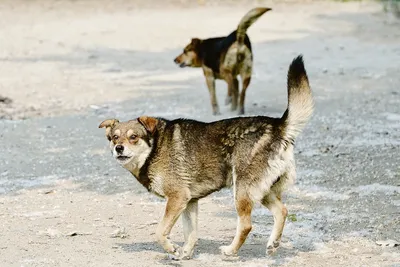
247 252
202 246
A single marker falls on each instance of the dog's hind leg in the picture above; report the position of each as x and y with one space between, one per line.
245 83
244 206
230 96
235 93
233 88
189 219
175 206
273 202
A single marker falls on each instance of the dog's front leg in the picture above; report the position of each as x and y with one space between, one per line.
189 219
210 80
175 206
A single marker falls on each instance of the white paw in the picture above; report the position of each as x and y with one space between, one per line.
174 252
187 253
270 251
180 254
271 247
227 251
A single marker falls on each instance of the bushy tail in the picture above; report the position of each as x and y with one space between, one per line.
247 21
300 100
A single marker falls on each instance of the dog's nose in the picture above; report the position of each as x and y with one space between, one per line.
176 60
119 149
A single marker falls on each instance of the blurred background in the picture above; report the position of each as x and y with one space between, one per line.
65 66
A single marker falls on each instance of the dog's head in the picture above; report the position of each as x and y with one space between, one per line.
131 141
190 55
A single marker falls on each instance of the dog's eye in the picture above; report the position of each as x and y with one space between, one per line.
133 139
115 137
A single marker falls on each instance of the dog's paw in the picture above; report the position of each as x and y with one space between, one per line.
174 249
175 253
172 257
272 247
216 112
180 254
185 256
187 253
228 251
241 111
270 251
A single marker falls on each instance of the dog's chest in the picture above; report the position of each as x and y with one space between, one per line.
157 185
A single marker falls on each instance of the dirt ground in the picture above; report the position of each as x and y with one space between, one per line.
67 65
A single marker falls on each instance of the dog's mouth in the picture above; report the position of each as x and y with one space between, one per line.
123 158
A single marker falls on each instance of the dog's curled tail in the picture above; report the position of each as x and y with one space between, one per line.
248 20
300 100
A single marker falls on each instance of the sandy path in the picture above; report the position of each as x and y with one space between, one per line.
62 57
56 176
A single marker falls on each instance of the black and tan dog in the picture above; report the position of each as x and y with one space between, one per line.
224 58
186 160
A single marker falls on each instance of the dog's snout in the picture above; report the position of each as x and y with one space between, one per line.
176 60
119 149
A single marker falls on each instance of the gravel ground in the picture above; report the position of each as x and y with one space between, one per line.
66 66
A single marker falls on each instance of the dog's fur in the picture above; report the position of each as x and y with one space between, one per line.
224 58
185 160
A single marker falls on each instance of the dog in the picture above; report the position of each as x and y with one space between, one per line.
185 160
224 58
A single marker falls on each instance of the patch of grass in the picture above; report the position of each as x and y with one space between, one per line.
292 217
392 6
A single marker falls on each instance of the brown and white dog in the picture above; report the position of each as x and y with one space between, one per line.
185 160
224 58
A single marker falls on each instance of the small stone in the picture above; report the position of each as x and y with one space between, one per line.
95 107
119 233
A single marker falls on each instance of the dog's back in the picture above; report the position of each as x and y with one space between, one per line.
253 151
235 48
215 49
224 58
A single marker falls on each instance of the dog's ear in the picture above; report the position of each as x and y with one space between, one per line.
149 123
195 41
109 123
